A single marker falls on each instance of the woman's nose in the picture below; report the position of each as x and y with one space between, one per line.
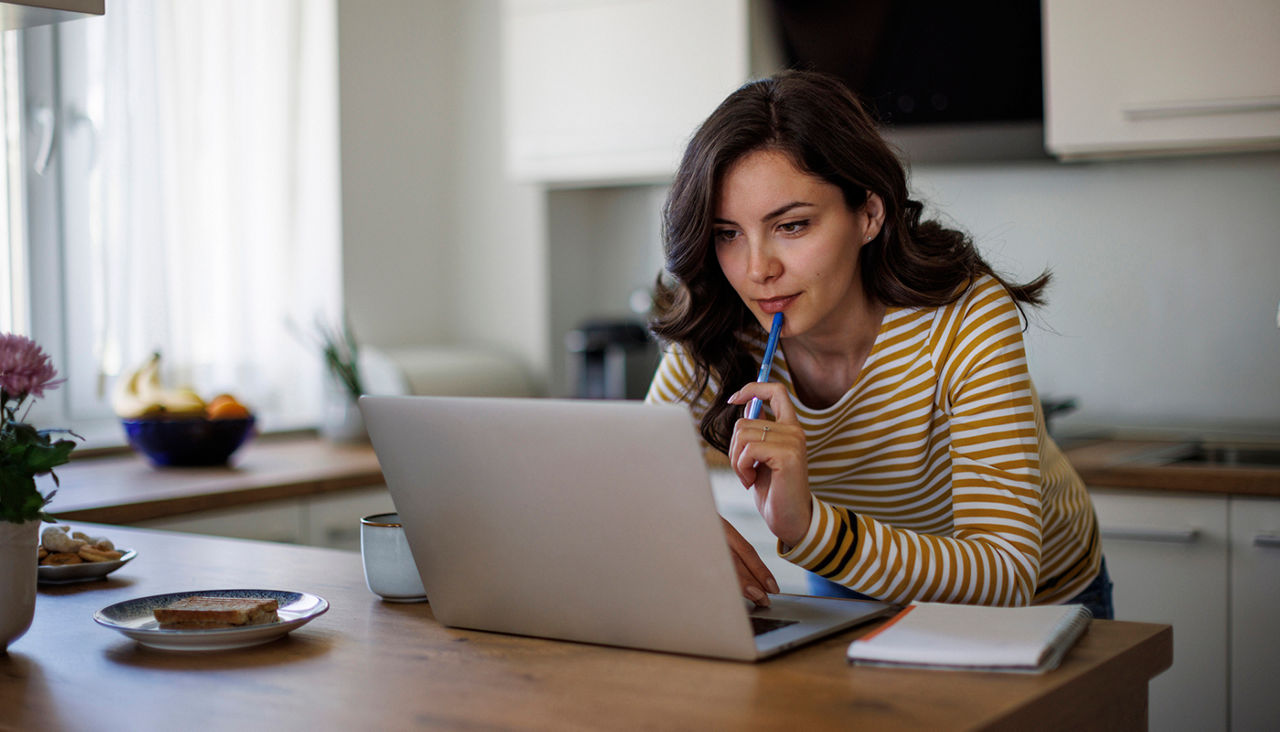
762 264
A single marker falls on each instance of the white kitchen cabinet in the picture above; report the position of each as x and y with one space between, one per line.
329 520
1255 602
605 91
29 13
280 521
1153 76
333 519
1168 557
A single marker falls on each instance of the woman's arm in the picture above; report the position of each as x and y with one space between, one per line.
992 554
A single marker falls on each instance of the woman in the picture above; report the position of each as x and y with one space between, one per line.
906 456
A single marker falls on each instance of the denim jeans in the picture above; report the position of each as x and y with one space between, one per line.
1096 597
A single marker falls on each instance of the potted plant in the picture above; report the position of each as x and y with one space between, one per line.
341 421
25 454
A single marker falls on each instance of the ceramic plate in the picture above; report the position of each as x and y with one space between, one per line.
83 572
135 619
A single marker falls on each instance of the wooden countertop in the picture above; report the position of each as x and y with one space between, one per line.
1138 465
370 664
125 488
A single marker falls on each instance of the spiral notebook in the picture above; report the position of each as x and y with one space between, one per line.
974 638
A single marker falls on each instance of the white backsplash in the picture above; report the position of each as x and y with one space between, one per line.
1166 279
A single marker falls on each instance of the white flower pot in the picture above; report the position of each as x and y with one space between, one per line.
17 579
342 421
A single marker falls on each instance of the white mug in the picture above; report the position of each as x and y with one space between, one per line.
389 569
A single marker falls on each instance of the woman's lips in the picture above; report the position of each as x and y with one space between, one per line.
776 304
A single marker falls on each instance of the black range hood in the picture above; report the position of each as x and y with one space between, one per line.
923 62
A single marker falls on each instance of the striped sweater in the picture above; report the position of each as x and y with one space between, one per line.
933 477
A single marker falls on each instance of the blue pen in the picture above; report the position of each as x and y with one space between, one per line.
753 408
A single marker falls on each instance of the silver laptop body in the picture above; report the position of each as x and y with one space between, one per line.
589 521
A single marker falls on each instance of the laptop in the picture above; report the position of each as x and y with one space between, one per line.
589 521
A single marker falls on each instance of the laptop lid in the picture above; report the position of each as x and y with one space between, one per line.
579 520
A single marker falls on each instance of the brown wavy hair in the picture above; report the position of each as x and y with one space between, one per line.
819 123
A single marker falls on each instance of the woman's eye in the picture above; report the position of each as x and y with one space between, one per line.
726 235
793 227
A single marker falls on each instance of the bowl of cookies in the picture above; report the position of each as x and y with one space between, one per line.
73 556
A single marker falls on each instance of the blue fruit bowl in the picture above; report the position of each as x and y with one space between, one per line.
187 440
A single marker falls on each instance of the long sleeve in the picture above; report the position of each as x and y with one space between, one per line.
932 477
987 478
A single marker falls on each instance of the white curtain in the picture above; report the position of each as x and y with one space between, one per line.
214 197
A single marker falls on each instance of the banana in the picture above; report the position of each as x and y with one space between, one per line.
126 395
141 393
183 401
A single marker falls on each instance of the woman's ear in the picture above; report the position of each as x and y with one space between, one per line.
873 210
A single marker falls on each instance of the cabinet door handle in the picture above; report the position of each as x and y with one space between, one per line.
1267 540
1175 536
1202 108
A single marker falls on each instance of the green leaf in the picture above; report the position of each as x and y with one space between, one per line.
40 459
24 433
19 499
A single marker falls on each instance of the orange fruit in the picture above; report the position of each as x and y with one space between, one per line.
225 406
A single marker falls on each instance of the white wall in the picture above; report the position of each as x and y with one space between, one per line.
501 232
1167 279
604 244
438 248
1167 271
398 122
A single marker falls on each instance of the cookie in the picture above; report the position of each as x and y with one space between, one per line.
97 542
93 554
55 539
57 559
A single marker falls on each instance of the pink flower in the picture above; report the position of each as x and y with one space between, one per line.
24 368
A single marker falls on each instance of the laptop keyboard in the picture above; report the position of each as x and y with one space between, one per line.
760 626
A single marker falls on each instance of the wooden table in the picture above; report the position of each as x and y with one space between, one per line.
367 664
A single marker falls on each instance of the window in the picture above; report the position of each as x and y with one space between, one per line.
188 202
13 316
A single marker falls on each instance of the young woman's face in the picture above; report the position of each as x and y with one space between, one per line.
787 243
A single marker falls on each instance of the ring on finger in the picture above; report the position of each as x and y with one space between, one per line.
765 434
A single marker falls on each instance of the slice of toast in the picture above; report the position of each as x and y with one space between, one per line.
216 612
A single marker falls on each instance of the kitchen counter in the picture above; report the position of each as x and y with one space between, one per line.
370 664
1152 465
124 488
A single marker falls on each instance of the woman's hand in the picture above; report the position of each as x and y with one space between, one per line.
771 457
755 578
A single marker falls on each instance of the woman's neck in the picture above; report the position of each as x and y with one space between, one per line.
825 365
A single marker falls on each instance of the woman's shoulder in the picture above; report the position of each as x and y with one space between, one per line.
983 293
674 378
984 302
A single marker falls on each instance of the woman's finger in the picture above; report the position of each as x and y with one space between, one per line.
771 393
738 442
750 588
761 445
756 569
752 572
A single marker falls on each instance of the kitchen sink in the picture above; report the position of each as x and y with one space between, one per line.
1233 455
1210 453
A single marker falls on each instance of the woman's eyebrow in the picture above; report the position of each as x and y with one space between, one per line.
769 216
779 211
